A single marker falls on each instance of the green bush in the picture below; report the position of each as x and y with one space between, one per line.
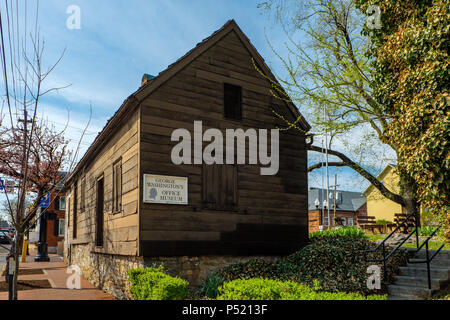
210 286
340 232
428 231
336 262
268 289
339 265
384 222
154 284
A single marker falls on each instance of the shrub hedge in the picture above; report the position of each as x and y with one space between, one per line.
383 222
267 289
336 262
341 232
154 284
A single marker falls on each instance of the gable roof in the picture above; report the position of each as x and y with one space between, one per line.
154 82
350 201
381 176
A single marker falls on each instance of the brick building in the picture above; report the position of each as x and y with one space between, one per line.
349 205
55 223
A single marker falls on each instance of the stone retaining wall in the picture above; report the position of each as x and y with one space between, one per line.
107 272
110 272
194 269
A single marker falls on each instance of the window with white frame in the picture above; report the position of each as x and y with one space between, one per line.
62 203
344 221
61 226
350 221
326 221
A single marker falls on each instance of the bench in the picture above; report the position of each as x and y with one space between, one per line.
409 225
369 223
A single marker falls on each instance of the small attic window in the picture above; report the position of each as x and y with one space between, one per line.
232 101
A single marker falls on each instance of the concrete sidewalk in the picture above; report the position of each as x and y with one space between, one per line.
55 272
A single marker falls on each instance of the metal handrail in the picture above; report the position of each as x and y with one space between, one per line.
431 236
416 231
392 233
383 245
428 259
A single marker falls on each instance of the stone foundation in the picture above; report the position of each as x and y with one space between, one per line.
194 269
107 272
110 272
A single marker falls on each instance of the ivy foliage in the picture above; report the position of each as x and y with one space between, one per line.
410 57
336 263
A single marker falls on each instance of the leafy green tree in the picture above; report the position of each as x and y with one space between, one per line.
330 72
410 57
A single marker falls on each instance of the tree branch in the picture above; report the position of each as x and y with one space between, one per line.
372 179
323 164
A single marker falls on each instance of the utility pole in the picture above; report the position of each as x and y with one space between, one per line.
21 205
22 189
335 197
326 160
321 190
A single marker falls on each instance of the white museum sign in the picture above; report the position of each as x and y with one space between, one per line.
165 189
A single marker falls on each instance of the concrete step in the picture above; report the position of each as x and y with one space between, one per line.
420 271
422 253
437 261
419 282
403 298
409 292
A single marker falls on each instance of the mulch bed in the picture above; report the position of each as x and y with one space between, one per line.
26 272
27 285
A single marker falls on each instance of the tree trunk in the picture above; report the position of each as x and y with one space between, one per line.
408 193
17 253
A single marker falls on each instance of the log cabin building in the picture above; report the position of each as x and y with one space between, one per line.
225 213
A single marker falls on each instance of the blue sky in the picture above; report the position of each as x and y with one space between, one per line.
119 41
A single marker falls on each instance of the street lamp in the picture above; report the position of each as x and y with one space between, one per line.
317 203
42 254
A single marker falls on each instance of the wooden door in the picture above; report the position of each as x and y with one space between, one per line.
99 213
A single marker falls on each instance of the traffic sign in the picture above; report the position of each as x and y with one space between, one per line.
45 201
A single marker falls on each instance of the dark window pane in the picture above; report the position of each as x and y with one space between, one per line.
232 102
220 190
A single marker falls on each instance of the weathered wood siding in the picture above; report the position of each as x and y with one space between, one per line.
271 217
121 230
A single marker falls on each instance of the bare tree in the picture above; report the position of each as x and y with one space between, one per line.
32 153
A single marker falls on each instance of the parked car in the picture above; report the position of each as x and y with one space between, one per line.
12 233
4 237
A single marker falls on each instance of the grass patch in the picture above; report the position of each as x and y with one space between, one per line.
433 244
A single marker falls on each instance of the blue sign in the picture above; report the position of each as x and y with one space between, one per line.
2 184
45 202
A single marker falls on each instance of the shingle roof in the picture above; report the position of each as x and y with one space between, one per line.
349 201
